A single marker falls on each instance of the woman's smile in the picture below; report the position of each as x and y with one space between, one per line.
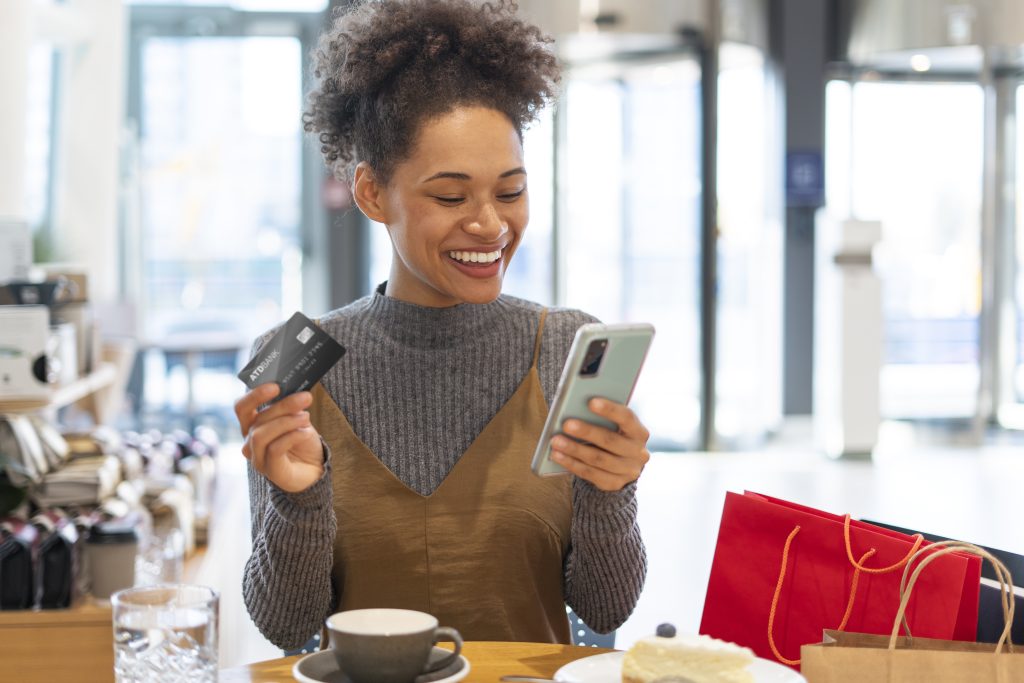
477 262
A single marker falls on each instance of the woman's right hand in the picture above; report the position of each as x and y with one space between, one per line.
280 441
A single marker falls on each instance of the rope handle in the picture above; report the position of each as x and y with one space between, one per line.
778 590
877 570
858 567
930 554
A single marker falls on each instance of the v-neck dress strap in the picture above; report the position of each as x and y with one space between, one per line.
540 334
484 552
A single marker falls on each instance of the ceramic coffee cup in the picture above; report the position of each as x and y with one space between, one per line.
388 645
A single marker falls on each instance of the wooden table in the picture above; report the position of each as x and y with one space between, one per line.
488 662
81 635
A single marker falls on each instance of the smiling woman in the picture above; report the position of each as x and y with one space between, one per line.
397 481
455 209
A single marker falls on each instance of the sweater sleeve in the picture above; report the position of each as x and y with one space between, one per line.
606 565
287 580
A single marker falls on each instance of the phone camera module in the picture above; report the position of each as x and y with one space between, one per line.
592 360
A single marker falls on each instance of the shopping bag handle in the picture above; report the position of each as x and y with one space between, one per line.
858 568
930 554
919 539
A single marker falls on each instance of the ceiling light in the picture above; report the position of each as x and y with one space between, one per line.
920 63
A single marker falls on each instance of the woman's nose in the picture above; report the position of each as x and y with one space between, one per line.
487 225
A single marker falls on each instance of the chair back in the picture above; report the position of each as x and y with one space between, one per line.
312 646
586 636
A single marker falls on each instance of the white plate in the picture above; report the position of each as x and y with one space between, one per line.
322 667
607 668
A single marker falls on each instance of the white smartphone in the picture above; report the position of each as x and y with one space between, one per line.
604 361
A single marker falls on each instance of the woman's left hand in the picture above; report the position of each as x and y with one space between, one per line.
609 460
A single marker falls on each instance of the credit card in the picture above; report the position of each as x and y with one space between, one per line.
296 357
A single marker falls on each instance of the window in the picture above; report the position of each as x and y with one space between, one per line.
38 144
915 159
630 219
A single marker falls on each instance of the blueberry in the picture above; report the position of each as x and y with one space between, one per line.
665 631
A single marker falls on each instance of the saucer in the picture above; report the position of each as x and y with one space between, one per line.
322 667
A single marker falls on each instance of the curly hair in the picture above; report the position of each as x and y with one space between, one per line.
384 67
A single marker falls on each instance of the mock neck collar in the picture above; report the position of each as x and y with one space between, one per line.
427 326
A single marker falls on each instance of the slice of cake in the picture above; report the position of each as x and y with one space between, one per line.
699 659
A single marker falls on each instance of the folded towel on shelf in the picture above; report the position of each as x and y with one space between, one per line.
82 481
24 457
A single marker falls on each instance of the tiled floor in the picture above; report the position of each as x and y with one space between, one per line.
962 491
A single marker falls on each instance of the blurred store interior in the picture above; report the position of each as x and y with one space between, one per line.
159 148
817 203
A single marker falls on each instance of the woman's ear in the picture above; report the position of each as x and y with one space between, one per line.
369 194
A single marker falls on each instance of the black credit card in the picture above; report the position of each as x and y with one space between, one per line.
296 357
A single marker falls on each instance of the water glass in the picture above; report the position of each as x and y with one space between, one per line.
161 557
165 633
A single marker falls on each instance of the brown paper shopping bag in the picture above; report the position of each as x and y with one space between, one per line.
859 657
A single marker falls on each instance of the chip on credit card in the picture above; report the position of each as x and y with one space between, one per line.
296 357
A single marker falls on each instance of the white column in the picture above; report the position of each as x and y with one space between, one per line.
15 44
848 337
86 185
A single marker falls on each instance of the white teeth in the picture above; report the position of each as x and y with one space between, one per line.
475 256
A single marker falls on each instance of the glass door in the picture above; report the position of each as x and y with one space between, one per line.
915 163
629 222
220 151
748 380
1017 164
216 239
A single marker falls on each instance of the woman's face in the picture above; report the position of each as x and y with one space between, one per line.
456 209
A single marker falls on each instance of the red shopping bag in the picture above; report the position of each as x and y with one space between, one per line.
782 573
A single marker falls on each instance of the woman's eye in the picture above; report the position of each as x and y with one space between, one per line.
448 200
511 196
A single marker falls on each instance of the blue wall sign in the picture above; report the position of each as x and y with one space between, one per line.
805 179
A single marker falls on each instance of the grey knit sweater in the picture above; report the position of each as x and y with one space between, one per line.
417 385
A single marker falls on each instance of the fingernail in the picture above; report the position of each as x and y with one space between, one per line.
599 403
559 442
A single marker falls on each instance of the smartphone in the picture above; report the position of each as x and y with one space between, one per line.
604 361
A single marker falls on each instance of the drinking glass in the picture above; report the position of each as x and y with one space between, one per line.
165 633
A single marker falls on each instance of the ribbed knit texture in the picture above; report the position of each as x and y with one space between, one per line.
417 386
